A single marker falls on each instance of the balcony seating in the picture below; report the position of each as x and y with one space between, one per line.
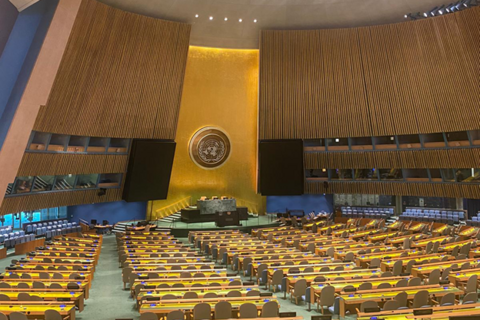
367 212
437 215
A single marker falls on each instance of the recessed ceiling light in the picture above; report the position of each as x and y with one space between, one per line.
211 18
196 16
240 20
226 19
255 21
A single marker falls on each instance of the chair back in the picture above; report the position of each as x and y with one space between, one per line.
370 304
202 311
248 310
270 310
421 298
223 310
175 315
51 314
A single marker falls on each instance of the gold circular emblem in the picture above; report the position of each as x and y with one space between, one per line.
209 148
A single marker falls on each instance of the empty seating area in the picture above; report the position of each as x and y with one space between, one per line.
367 212
474 220
437 215
53 229
52 282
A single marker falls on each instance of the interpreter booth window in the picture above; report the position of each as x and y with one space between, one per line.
366 174
97 145
409 141
39 141
316 174
43 183
475 136
118 145
433 140
58 142
341 174
65 182
457 139
77 144
337 144
363 143
448 175
391 174
86 181
385 142
313 145
416 175
435 175
110 180
23 185
468 175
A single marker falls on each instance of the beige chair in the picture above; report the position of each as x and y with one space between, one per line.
234 293
248 311
421 299
176 315
447 300
402 299
397 268
409 266
210 295
276 280
365 286
202 311
327 298
3 316
370 304
55 286
391 305
23 285
190 295
253 293
18 316
270 310
415 282
148 316
472 284
299 290
4 297
223 310
38 285
53 315
469 298
23 296
384 285
434 277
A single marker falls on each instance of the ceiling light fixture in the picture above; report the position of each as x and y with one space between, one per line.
240 20
211 18
225 19
196 16
255 21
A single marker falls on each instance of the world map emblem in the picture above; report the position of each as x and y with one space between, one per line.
209 148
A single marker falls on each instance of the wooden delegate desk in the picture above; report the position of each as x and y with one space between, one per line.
74 260
35 274
424 270
351 301
365 259
381 236
74 244
177 273
346 247
77 297
83 284
450 246
192 235
166 260
80 239
187 305
38 308
55 248
186 282
439 313
468 232
423 243
400 239
388 264
255 232
237 263
340 284
461 277
53 267
25 247
364 234
201 292
169 266
356 251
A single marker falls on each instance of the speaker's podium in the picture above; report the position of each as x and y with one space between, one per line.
227 218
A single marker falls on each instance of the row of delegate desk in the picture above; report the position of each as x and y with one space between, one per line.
165 276
55 278
449 268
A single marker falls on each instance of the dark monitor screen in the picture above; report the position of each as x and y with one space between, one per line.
149 170
281 167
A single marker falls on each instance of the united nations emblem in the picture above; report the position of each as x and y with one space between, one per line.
209 148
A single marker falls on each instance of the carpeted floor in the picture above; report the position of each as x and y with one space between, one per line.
108 300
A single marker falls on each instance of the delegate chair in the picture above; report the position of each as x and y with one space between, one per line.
223 310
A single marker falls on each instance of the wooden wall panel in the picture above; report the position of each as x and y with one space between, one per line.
435 159
35 164
121 76
413 77
55 199
393 188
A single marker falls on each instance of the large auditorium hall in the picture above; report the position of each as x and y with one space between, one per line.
234 160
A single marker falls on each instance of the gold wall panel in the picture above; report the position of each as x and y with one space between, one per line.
220 90
121 76
413 77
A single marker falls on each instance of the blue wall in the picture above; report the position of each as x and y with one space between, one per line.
19 56
113 212
306 202
8 15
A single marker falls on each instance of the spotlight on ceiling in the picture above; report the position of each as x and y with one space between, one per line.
447 8
433 11
441 9
226 19
240 20
211 18
410 16
458 5
196 16
254 20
